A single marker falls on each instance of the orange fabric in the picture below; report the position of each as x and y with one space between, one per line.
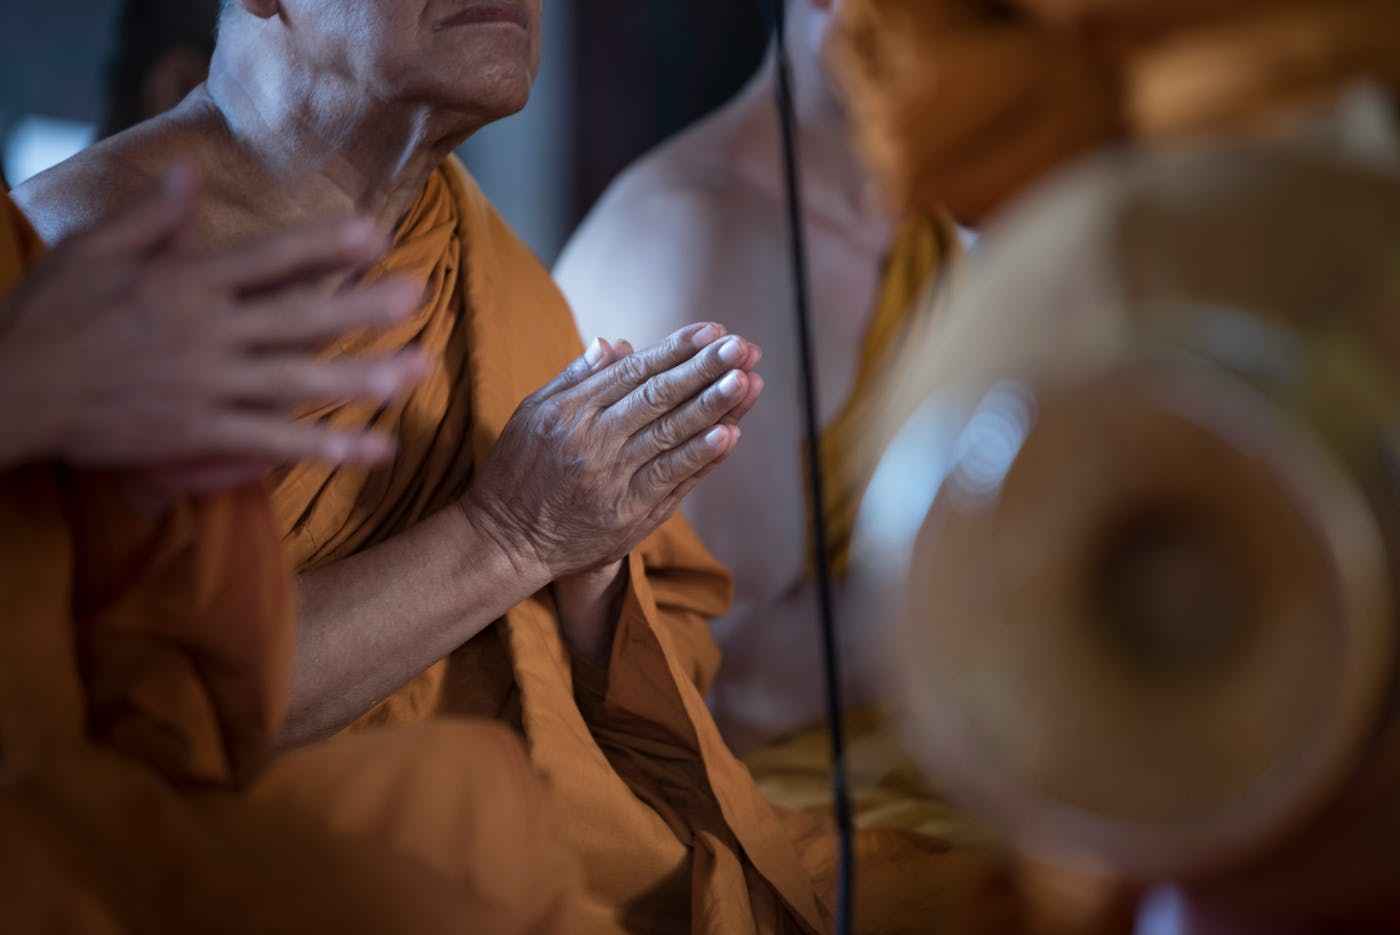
673 834
925 254
644 781
961 104
144 663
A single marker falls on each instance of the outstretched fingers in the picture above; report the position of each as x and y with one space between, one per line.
292 380
303 318
270 438
296 256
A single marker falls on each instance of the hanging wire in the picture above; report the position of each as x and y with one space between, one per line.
840 783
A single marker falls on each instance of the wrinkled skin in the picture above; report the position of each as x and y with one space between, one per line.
125 349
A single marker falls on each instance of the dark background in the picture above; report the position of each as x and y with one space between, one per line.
616 80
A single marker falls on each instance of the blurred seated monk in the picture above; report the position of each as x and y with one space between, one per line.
958 107
515 560
162 54
146 636
965 105
701 223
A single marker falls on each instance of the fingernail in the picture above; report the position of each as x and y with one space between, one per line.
707 336
594 355
731 384
716 437
732 351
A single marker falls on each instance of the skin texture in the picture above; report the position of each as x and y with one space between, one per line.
123 349
326 107
698 228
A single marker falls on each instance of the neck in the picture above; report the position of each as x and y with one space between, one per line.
836 186
318 144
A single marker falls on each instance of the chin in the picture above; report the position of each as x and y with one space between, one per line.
489 83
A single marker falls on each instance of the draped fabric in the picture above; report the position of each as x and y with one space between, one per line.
145 657
962 104
673 835
671 831
923 259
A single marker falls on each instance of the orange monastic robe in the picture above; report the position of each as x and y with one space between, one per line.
673 834
144 666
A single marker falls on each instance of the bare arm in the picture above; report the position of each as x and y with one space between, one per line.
374 621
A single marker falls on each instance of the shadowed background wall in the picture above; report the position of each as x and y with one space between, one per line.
618 77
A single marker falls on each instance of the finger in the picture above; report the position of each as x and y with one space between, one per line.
667 507
303 318
298 380
598 355
633 371
667 390
207 476
663 474
736 415
158 218
275 440
755 358
296 256
680 425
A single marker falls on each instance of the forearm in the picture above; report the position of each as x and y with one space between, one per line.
371 623
588 605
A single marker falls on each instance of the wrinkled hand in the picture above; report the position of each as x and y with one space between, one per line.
123 349
594 462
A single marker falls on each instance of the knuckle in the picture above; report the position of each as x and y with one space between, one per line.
666 435
633 369
654 394
550 412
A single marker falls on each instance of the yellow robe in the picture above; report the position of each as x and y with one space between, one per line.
144 666
888 792
672 832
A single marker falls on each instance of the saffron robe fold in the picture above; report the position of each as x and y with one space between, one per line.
144 665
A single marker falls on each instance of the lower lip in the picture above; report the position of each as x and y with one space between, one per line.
487 14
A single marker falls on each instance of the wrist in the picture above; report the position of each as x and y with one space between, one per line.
502 539
589 603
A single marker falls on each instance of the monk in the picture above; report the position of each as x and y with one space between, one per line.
145 640
519 559
700 224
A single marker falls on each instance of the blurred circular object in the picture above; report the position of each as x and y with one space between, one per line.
1144 580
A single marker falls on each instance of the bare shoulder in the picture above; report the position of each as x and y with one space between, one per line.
93 186
672 240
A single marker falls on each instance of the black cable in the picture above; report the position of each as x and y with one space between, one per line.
840 784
